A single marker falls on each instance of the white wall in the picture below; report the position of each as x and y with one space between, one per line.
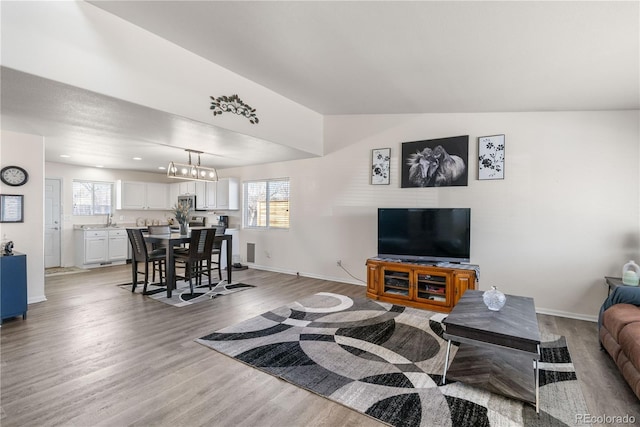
28 236
566 214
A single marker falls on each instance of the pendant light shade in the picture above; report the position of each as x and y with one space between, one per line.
190 171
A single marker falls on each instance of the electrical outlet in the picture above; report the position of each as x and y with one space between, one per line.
339 263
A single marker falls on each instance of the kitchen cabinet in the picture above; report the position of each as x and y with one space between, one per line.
100 247
221 195
142 196
227 194
235 247
157 196
174 192
118 245
94 246
206 195
187 188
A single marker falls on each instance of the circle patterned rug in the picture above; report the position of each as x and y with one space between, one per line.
386 361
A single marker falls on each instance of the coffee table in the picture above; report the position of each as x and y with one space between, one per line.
499 350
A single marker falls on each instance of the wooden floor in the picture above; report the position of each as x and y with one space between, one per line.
94 354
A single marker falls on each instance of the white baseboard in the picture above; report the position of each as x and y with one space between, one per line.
310 275
34 300
550 312
559 313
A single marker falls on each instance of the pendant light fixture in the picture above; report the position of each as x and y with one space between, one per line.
190 171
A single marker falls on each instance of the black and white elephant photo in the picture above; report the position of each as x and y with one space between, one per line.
436 162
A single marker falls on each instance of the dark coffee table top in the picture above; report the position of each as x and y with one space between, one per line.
514 326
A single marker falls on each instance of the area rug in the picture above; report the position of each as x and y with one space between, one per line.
386 361
181 296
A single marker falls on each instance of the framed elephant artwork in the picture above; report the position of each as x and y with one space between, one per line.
440 162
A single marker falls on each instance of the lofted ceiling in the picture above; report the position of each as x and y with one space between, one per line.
356 57
97 130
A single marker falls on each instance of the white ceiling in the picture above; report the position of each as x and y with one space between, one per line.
357 57
97 130
362 57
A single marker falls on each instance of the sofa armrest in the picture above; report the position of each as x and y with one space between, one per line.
620 295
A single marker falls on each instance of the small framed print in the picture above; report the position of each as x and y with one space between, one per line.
491 157
11 208
380 162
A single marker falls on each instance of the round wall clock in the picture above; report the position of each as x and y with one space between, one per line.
14 175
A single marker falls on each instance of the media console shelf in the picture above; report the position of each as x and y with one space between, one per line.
418 285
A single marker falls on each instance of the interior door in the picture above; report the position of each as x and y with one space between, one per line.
51 223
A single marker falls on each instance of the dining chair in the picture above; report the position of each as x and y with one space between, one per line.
197 258
159 229
157 247
142 254
216 252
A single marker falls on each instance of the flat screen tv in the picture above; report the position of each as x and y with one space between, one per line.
424 234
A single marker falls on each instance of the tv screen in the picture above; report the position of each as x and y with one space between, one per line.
425 234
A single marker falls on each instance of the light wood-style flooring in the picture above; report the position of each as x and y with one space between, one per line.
94 354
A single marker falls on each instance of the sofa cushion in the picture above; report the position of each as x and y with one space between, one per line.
611 345
618 316
629 372
629 340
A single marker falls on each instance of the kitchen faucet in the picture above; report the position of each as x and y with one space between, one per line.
109 220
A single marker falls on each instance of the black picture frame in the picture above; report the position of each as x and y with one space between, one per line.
442 162
11 208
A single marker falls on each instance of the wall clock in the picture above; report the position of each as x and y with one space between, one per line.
14 175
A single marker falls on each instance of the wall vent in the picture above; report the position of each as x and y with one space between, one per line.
251 252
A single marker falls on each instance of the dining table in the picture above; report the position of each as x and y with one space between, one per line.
176 239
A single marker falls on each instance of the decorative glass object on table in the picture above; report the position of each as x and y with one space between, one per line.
494 299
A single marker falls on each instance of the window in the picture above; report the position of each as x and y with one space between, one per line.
266 204
92 198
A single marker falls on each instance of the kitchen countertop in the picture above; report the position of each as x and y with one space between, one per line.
103 226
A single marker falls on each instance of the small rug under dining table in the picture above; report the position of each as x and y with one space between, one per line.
182 296
386 361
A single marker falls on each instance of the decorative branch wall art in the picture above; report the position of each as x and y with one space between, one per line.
233 104
435 162
380 165
491 157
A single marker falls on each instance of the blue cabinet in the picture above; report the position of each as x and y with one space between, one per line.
13 286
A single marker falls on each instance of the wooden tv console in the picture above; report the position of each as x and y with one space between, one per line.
418 285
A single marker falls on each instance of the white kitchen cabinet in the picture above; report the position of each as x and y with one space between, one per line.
187 188
205 195
130 195
235 247
118 245
95 248
157 196
174 192
227 194
142 196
